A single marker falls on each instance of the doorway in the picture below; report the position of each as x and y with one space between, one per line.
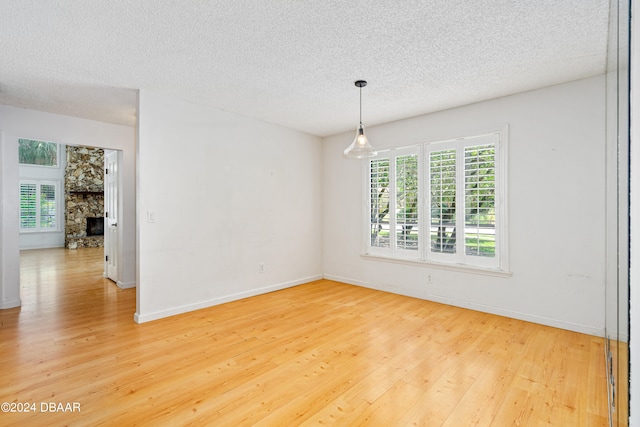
87 205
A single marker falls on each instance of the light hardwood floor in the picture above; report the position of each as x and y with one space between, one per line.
317 354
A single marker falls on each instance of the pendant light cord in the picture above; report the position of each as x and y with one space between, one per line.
360 105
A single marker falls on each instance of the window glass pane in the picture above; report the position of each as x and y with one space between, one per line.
28 205
379 202
407 202
442 177
479 197
31 152
47 206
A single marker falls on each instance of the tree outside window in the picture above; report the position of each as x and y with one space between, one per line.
40 153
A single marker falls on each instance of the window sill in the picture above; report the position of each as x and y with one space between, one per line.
441 265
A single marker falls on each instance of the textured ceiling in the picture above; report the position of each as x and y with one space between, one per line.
292 62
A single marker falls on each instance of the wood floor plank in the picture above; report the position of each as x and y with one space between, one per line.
315 354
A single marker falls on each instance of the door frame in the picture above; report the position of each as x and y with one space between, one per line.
111 247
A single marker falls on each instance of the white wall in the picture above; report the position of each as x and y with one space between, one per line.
17 123
9 253
228 193
49 239
556 208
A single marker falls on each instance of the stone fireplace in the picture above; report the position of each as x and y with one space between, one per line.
84 198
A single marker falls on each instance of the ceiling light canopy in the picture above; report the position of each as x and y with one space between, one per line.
360 148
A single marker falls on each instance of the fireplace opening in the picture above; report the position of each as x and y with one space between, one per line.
95 226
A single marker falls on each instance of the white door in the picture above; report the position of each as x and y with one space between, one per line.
111 214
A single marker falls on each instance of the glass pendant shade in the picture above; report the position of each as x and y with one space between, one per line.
360 147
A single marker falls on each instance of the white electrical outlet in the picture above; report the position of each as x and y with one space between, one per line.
428 278
261 267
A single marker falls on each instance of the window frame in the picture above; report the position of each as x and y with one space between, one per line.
34 165
460 256
489 265
393 249
39 183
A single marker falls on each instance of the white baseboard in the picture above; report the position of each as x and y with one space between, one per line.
46 246
10 304
147 317
125 285
556 323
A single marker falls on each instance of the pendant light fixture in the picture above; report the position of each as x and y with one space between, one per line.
360 147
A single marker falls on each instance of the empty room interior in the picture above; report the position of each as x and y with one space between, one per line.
292 213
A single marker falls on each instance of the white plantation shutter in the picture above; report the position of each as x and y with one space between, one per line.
394 222
479 200
379 170
463 201
442 200
460 184
28 206
47 206
38 205
406 196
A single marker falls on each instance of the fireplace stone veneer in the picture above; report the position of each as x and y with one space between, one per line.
84 195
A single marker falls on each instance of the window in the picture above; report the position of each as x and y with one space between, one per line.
460 185
393 207
38 205
40 153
